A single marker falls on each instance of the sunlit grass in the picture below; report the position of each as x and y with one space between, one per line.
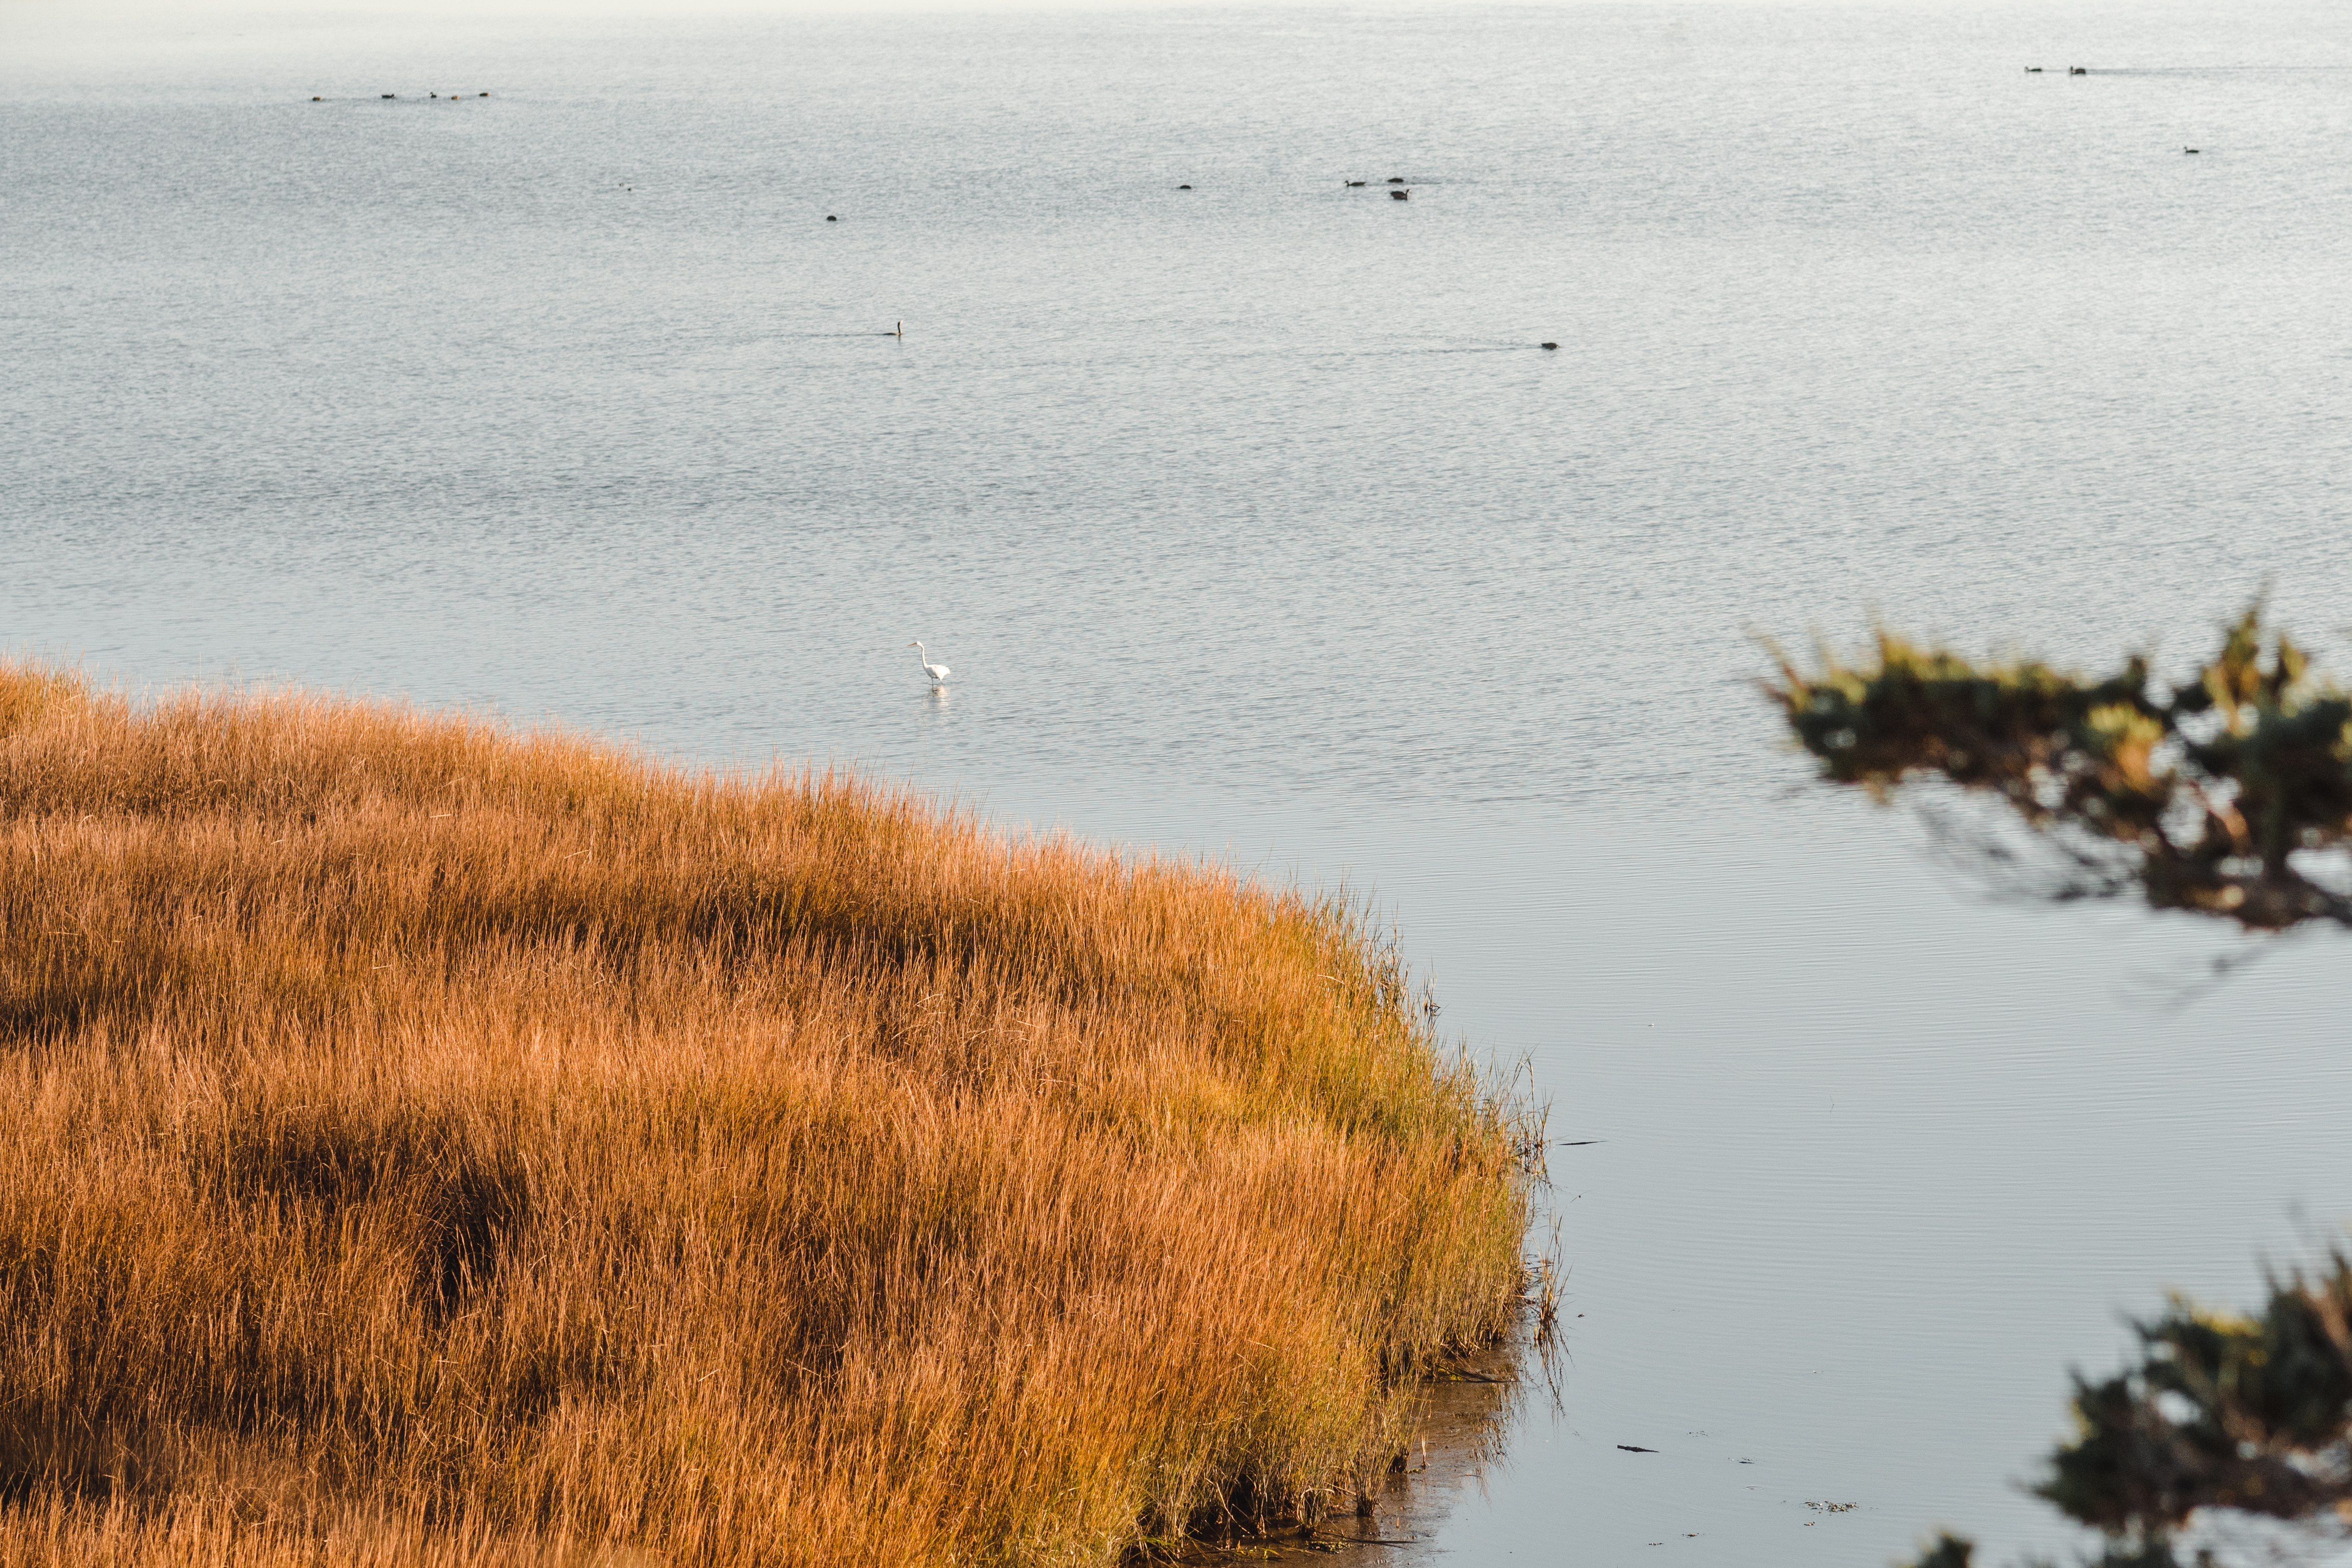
435 1143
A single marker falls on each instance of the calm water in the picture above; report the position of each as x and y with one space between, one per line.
1254 521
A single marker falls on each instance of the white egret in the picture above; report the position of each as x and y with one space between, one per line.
938 672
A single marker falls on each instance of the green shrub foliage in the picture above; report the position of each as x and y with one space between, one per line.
2250 1413
2253 1415
2213 796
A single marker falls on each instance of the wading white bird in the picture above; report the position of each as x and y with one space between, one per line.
938 672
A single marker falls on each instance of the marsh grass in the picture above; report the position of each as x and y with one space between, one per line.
435 1143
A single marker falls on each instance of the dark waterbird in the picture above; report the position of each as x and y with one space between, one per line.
2190 149
1548 345
2078 70
1184 187
1352 184
1396 179
1405 194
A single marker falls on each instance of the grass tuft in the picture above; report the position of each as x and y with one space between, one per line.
435 1143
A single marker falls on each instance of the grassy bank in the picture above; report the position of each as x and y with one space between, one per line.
430 1142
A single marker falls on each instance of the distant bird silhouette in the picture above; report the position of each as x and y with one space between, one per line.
1396 179
1352 184
831 219
2188 150
1184 187
2078 70
1403 195
938 672
2034 71
1548 345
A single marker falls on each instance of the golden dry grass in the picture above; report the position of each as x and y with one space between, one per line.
429 1143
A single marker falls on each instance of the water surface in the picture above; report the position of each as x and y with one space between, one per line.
1254 522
